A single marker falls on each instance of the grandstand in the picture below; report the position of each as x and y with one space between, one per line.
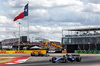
23 43
81 39
9 41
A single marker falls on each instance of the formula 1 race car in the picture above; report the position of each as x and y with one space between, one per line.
38 54
66 58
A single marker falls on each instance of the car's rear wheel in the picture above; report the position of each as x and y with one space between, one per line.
42 55
78 59
32 54
65 59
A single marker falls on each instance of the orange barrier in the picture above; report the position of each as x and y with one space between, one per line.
64 51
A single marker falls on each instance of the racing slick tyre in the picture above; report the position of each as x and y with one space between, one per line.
32 54
46 55
78 59
53 59
39 54
72 60
65 59
42 54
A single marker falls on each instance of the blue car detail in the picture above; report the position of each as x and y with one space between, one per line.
68 58
58 58
73 59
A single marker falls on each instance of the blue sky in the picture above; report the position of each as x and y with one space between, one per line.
47 18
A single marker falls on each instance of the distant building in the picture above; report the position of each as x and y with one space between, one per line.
9 41
81 39
13 43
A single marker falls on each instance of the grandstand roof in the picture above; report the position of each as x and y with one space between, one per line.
83 29
40 38
12 40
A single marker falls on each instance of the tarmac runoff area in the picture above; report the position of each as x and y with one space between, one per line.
51 54
87 60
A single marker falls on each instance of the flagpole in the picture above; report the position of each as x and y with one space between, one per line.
28 24
19 37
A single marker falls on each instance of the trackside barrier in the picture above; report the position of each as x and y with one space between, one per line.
64 51
54 51
21 51
87 52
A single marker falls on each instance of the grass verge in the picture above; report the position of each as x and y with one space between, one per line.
5 60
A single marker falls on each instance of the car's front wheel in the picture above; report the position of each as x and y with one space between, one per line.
53 59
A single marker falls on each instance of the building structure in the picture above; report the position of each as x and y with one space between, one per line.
81 39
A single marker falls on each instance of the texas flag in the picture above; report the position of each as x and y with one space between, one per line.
21 13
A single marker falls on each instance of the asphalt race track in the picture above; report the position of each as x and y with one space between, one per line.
86 61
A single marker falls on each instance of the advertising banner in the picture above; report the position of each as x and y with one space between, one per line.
21 51
88 51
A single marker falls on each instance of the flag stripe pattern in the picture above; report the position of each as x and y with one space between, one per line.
21 13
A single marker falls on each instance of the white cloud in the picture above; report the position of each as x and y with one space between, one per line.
7 27
91 7
43 29
43 3
76 8
10 3
38 12
3 36
6 22
91 1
